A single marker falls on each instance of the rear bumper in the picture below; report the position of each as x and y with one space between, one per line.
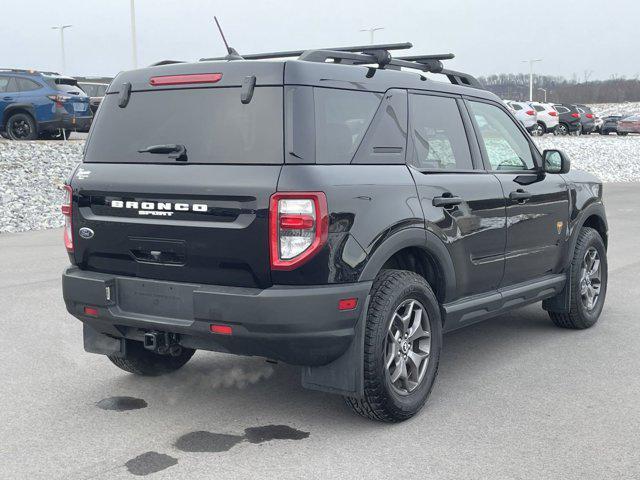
67 122
296 325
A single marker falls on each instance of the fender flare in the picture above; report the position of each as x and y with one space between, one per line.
18 106
561 303
419 238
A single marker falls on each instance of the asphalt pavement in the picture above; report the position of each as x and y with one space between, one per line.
516 397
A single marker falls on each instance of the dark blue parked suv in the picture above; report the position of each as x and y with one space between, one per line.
41 105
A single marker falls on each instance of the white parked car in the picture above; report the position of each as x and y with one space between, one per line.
548 118
524 113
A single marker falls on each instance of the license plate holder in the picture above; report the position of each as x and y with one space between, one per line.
155 298
79 107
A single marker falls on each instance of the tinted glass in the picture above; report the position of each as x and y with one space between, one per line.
539 108
12 85
4 81
212 123
88 88
506 146
438 134
515 106
26 85
342 118
561 109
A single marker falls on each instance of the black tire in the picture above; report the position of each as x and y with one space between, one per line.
562 129
4 134
381 401
21 126
54 135
605 132
579 316
538 130
622 134
141 361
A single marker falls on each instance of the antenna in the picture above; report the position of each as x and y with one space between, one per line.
232 54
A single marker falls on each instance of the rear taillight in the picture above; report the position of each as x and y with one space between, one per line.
553 114
298 227
589 115
530 112
575 115
58 99
67 211
185 79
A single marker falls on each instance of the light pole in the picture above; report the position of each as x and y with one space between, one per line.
64 60
545 93
134 46
531 62
371 32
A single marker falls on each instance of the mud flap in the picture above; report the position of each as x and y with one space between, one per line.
561 303
96 342
343 376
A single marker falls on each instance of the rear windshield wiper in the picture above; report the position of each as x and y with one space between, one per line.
178 152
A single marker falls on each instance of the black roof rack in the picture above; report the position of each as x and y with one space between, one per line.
373 54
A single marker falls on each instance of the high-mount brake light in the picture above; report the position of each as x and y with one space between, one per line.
67 211
298 227
185 79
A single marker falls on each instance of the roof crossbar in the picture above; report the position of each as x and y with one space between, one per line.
166 62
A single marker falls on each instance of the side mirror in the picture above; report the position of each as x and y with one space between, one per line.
555 161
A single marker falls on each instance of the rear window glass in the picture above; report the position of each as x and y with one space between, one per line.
342 118
211 123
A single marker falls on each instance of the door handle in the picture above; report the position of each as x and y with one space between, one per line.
7 98
520 195
446 201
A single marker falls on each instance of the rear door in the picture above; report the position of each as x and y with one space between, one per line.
462 205
201 216
537 204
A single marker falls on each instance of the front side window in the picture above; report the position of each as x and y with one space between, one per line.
342 118
506 146
438 134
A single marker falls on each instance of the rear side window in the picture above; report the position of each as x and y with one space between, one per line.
211 123
516 106
4 82
438 134
341 120
538 108
26 85
561 109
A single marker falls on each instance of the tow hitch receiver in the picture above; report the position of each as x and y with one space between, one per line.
162 343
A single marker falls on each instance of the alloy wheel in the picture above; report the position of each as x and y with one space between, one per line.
20 129
590 279
407 347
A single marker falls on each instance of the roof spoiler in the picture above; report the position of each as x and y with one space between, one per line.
372 54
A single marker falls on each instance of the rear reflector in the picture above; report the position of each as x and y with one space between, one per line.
91 311
184 79
221 329
347 304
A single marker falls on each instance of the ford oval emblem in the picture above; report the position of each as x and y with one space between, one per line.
86 233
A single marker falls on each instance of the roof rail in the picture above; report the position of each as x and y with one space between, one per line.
25 70
374 54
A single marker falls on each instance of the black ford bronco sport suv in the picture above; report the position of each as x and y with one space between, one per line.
339 211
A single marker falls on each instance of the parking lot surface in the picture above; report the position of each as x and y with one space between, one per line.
516 397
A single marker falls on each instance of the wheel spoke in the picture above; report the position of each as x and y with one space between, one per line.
416 359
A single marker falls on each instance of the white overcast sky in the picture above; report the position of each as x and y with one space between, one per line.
487 36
